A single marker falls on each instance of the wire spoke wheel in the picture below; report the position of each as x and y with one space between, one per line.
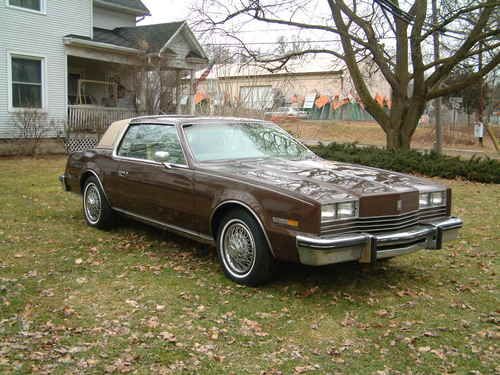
238 248
92 203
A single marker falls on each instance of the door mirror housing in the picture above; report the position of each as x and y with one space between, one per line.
162 156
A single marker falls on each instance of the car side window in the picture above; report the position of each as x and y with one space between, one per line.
152 142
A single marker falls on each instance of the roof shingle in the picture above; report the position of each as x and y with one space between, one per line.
147 38
111 37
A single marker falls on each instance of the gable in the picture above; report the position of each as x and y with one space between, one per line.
179 45
185 44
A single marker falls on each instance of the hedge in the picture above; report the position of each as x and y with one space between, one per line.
429 163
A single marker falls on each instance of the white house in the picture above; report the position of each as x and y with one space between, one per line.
77 61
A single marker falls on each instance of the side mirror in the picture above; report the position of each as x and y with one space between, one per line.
161 156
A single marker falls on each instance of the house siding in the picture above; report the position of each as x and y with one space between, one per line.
111 19
330 84
28 33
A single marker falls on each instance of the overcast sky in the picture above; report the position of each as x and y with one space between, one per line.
167 10
254 33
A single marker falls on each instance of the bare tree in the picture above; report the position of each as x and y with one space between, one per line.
32 126
400 47
241 90
151 82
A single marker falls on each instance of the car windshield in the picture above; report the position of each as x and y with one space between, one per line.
232 141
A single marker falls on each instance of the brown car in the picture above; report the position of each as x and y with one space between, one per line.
256 193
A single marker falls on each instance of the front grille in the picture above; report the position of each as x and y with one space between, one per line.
379 224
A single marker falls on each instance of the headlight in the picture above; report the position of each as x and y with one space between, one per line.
437 198
434 199
342 210
424 200
328 212
347 209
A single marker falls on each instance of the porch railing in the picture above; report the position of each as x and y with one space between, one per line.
94 119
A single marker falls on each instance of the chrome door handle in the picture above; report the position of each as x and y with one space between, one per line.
122 173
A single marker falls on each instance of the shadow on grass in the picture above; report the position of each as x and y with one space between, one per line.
340 277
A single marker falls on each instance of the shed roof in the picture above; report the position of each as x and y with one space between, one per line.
312 66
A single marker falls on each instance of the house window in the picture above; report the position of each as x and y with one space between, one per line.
27 82
36 5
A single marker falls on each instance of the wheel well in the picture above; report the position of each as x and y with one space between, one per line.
219 214
226 207
83 178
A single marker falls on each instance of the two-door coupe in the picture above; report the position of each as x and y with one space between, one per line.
256 193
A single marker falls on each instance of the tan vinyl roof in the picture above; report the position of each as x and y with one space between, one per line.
111 135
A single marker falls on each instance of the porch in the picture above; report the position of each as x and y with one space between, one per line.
126 72
101 92
94 119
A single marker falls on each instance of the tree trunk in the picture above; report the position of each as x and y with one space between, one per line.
402 126
404 117
398 140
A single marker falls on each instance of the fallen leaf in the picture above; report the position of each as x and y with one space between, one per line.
167 336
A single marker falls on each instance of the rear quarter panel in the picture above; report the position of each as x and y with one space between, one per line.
79 164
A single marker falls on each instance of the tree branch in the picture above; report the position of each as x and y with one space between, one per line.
462 51
450 18
373 108
470 54
372 45
466 82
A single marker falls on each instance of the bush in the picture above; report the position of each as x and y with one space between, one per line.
430 164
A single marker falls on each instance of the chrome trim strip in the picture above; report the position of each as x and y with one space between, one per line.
244 205
381 254
450 223
411 234
332 243
147 161
245 121
62 180
100 183
390 217
388 224
374 223
185 232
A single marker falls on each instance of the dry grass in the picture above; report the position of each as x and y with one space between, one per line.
371 134
133 299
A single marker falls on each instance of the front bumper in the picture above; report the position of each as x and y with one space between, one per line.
367 248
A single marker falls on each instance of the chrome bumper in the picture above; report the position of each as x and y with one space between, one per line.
62 180
367 248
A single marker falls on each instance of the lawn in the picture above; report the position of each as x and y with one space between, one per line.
369 133
134 299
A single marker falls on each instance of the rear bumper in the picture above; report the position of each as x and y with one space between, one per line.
62 180
367 248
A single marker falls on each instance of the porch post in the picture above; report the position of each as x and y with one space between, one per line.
140 74
192 105
178 91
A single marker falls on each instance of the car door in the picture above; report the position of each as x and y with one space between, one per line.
155 181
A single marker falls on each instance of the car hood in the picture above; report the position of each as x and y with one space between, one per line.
322 180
